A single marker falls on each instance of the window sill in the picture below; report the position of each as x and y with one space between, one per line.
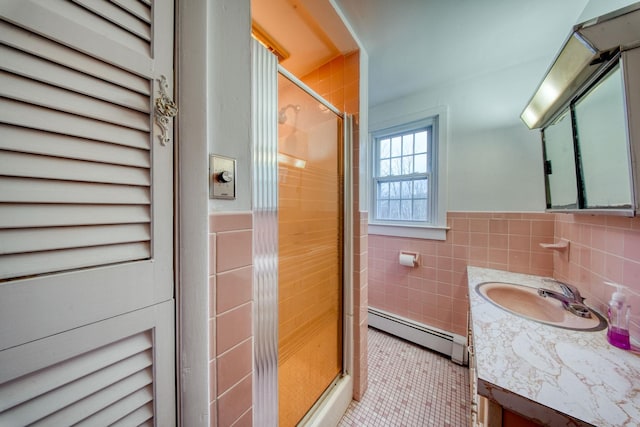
414 231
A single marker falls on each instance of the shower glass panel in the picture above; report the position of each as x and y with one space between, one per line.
310 218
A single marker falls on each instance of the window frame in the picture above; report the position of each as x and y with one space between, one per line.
436 227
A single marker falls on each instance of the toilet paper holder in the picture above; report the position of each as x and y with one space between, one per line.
409 259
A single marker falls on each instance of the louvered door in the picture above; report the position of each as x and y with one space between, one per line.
86 213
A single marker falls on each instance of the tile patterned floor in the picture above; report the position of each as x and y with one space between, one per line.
410 387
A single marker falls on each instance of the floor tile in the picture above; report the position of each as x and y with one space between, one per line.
410 386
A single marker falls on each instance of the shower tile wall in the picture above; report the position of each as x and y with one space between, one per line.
230 319
338 82
435 293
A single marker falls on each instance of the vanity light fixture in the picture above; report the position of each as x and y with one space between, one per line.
568 72
589 47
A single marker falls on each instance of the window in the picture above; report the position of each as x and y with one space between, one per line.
405 185
402 176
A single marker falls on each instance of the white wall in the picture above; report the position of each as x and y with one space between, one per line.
229 93
494 160
596 8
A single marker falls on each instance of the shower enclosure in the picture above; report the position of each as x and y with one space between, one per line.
310 250
302 250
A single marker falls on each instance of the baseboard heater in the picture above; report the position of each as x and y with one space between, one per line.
451 345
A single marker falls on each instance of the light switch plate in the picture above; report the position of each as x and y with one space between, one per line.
222 177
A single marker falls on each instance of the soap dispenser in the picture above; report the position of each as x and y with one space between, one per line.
618 313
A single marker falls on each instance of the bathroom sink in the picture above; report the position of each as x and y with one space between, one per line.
525 302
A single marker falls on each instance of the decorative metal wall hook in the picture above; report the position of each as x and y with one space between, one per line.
165 110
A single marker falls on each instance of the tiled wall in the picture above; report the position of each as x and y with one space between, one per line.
230 319
435 292
601 248
338 82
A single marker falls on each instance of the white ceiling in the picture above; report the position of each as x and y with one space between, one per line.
417 45
414 45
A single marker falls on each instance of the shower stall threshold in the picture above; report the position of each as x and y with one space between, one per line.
332 405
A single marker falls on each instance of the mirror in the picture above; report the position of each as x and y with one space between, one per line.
602 144
586 149
560 159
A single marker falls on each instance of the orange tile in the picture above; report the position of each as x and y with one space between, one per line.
613 268
614 241
499 241
337 77
479 225
324 72
598 238
444 263
234 288
459 237
519 226
543 261
459 224
351 91
519 260
478 254
479 240
246 420
500 226
229 221
460 252
234 365
233 327
235 402
542 228
632 246
498 256
519 243
233 250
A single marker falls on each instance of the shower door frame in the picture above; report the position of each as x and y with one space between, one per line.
335 400
324 406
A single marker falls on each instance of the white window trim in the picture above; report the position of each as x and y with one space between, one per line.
437 229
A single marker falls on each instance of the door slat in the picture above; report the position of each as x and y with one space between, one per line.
21 265
135 8
118 16
24 140
45 167
55 98
25 190
41 47
23 215
44 71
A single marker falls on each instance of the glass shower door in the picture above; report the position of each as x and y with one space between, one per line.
310 218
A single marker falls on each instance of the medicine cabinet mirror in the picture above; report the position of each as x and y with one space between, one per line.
588 108
587 151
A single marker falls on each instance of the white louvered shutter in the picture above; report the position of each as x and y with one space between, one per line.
86 210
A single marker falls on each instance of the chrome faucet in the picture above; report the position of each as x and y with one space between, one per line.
570 298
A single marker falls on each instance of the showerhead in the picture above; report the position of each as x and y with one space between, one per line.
282 114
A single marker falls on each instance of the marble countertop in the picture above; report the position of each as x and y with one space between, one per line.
555 376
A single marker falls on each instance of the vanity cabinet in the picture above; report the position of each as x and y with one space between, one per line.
486 412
